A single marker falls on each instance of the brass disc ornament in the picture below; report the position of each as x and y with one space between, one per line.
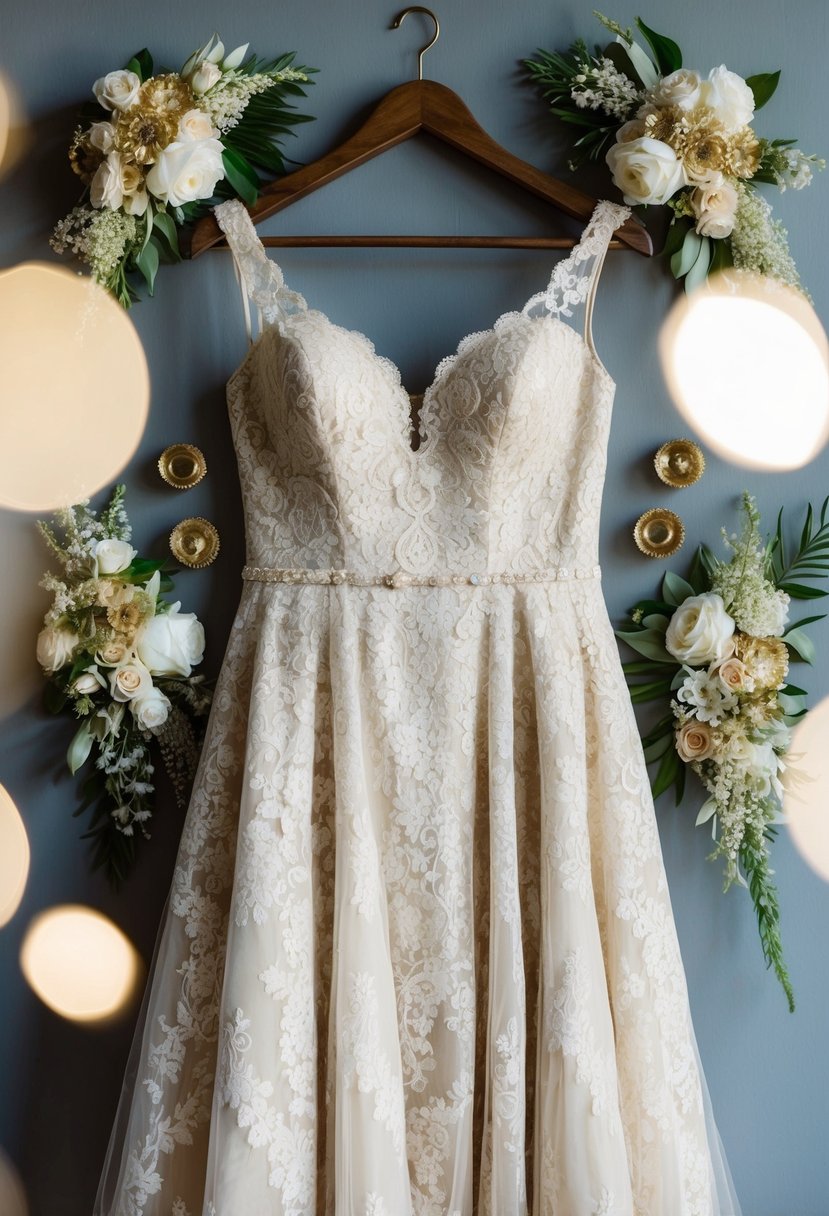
659 533
195 543
679 463
182 465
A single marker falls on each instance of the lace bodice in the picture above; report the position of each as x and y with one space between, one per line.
509 472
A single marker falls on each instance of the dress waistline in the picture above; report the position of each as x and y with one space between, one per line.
402 578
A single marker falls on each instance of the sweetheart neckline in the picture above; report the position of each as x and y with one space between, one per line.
423 431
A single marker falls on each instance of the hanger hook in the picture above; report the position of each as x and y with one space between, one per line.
398 21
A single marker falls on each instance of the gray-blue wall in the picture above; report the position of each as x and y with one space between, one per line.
767 1070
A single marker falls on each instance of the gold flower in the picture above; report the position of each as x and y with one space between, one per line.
142 133
666 124
704 151
767 660
125 618
743 156
83 157
167 94
112 593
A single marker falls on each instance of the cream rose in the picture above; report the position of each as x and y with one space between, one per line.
195 124
117 90
112 654
102 136
715 207
204 77
88 681
55 646
634 129
645 170
107 188
694 741
700 631
129 680
113 556
734 676
680 89
186 170
728 95
171 643
150 710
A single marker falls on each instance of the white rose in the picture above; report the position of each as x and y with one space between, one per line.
645 170
117 90
88 682
171 643
186 171
715 207
113 556
55 646
129 680
195 124
107 188
634 129
729 96
204 77
212 51
680 89
700 631
150 710
102 136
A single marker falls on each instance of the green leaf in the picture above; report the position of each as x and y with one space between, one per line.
698 576
686 256
147 263
79 748
793 707
655 751
641 668
657 621
165 225
668 55
141 64
702 264
664 728
641 66
241 176
801 644
667 772
707 811
640 693
763 86
646 642
807 620
54 698
675 237
675 590
799 591
648 606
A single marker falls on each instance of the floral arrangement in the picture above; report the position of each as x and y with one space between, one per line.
717 647
674 138
157 150
119 658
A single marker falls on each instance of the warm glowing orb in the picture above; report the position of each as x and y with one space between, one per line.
12 1196
79 963
75 391
14 857
747 364
807 788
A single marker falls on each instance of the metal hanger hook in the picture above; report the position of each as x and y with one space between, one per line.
398 21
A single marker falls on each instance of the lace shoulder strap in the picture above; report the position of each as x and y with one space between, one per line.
260 279
574 279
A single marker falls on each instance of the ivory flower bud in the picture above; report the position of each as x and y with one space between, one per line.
186 170
129 680
728 95
694 741
171 643
204 77
113 556
734 676
700 631
107 188
55 647
88 681
715 207
645 170
195 124
117 90
151 709
680 89
102 136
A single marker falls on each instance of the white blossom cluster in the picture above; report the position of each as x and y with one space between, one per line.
99 238
758 607
227 101
759 243
604 87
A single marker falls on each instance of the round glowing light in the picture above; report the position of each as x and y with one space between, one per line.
79 963
747 364
12 1195
21 614
14 131
14 857
807 789
75 387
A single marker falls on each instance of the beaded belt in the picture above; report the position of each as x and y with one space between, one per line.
401 578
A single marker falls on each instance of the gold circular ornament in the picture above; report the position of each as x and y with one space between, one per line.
679 463
195 543
182 465
659 533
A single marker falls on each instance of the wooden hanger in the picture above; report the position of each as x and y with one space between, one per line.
421 105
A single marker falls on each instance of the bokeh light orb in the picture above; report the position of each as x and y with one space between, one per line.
746 361
807 788
14 130
14 858
79 963
75 392
12 1195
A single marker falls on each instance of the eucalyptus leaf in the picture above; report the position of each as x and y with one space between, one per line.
656 621
675 590
791 706
708 808
79 748
801 644
699 271
646 642
686 256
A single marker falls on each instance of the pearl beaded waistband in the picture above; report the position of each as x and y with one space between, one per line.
402 578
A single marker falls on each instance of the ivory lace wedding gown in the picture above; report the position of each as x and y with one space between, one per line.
419 957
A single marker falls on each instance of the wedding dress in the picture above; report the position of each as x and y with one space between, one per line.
419 957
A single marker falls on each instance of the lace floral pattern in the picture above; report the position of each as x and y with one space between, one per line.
419 958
